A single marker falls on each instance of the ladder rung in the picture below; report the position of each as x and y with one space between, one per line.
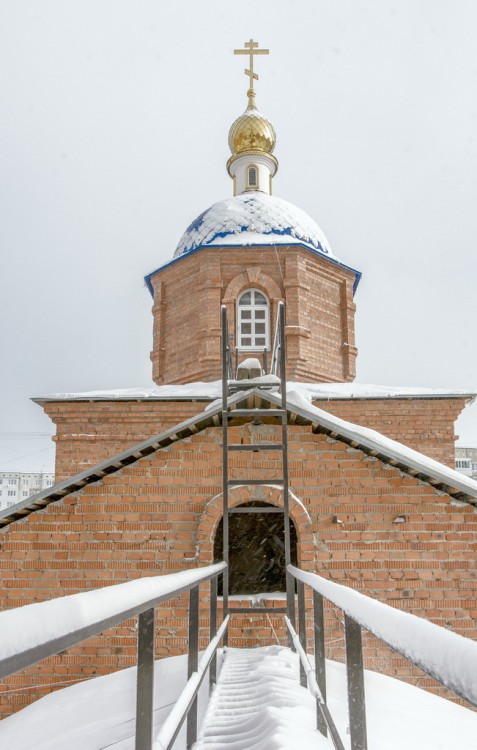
244 385
257 510
257 413
238 482
258 610
255 447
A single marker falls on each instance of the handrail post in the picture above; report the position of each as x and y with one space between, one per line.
193 661
145 680
355 677
213 629
320 664
225 463
230 367
302 627
290 581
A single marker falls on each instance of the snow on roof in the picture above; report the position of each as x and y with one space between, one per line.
210 391
187 392
253 218
334 391
373 443
378 444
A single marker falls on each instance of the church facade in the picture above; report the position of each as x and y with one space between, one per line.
374 500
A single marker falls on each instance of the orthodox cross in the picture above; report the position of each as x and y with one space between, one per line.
251 50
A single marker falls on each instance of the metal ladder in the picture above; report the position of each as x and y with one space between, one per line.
277 367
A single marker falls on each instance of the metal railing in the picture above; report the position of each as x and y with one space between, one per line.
449 658
227 361
38 631
277 363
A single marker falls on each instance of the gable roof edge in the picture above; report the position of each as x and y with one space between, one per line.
407 460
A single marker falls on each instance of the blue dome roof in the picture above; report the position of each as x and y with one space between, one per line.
253 218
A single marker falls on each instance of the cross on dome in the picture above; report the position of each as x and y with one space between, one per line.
252 138
251 49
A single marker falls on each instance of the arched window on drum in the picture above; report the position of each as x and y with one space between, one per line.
253 320
252 178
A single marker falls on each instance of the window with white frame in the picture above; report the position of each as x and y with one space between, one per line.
253 320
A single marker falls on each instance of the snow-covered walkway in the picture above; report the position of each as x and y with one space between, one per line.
268 711
258 703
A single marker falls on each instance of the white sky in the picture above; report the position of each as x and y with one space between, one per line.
113 137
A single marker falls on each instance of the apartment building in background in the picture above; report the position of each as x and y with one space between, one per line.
16 486
466 460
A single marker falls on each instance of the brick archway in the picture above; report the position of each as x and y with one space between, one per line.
212 514
251 277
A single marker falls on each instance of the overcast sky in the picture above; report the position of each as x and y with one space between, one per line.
113 137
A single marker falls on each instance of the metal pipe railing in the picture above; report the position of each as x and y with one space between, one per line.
276 355
37 631
172 725
449 658
324 721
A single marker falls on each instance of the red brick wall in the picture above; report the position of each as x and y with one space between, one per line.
425 424
88 432
91 431
159 515
319 311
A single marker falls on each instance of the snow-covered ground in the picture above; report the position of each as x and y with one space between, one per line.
99 713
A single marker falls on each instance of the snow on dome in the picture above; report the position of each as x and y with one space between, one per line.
253 218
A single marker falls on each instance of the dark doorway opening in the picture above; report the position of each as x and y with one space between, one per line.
256 550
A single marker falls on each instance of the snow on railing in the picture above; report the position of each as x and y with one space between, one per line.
449 658
37 631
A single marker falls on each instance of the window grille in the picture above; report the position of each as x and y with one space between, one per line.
253 320
252 177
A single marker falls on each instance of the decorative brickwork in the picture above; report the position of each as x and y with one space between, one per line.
159 515
88 432
239 495
319 301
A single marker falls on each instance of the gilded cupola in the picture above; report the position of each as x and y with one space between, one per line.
252 131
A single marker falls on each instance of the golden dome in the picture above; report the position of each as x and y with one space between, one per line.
251 131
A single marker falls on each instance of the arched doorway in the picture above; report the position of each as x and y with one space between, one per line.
256 550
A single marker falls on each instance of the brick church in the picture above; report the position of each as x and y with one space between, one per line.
374 501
